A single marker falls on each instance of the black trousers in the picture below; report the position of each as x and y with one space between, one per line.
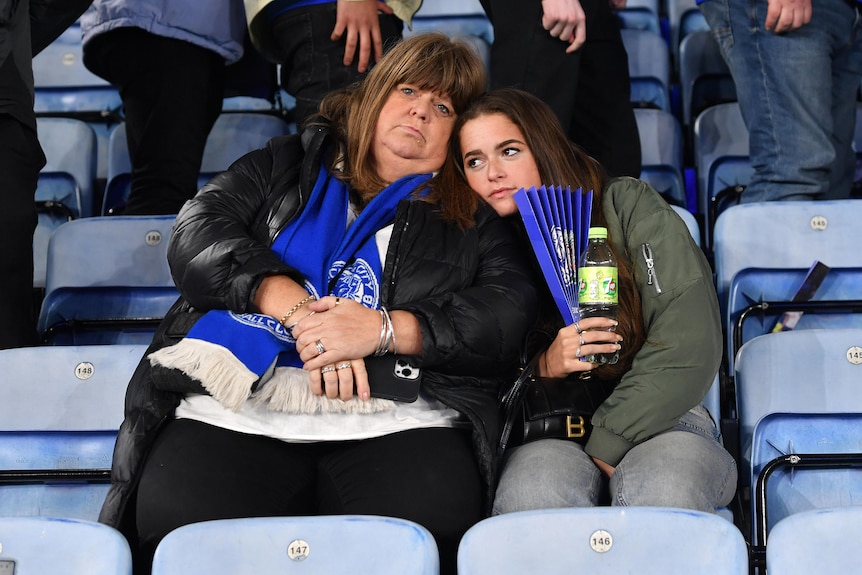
198 472
21 158
172 94
313 65
589 89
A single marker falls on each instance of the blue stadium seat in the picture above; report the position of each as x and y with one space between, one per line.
65 187
64 86
812 371
784 235
644 540
684 18
60 408
649 68
661 153
721 160
320 545
108 280
233 135
704 77
39 545
757 297
824 541
640 17
804 461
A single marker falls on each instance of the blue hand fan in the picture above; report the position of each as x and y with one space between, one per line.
557 221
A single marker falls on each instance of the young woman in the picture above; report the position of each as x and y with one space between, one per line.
307 257
652 441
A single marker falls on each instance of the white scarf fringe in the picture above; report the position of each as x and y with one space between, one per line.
225 377
289 390
229 381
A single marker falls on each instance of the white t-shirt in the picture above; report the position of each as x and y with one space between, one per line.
257 419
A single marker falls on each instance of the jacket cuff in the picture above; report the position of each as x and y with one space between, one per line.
607 446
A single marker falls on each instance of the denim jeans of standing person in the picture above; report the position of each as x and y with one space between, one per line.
685 467
797 92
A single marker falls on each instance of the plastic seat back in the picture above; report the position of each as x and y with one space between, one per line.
313 545
824 540
60 409
108 280
784 235
661 153
649 68
603 540
41 546
756 295
812 371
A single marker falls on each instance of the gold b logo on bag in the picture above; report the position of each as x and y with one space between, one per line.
575 427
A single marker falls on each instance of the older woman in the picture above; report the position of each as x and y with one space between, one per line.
301 260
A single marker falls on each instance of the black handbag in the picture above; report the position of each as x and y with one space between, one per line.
537 407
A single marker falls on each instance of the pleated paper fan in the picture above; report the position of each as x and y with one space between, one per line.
557 221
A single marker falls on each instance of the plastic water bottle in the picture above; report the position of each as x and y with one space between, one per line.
597 286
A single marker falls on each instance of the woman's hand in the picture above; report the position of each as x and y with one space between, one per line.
340 329
605 468
341 380
585 337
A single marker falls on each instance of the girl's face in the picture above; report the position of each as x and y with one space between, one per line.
497 161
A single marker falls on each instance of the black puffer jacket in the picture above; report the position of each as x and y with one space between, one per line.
471 291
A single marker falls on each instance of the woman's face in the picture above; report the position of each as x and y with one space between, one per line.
412 132
497 161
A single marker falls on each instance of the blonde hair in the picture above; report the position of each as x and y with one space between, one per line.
430 61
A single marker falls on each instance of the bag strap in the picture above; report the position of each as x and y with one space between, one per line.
511 402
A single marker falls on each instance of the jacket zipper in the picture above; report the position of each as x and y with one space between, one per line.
652 276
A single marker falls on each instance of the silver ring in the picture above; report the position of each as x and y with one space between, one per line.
578 328
578 352
327 369
337 300
344 365
320 349
581 338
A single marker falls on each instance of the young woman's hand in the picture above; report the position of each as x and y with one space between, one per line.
573 342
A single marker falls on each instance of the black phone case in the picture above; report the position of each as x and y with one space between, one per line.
393 377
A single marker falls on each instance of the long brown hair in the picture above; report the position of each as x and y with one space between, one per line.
559 162
430 61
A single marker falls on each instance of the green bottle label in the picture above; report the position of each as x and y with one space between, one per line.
597 285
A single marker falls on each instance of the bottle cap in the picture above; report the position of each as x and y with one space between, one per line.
598 233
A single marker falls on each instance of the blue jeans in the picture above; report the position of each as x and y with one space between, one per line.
797 93
685 467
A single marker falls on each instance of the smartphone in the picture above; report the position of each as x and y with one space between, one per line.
393 377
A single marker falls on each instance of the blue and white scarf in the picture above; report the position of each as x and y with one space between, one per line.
231 354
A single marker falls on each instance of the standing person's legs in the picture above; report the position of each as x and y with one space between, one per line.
313 65
604 121
172 94
784 85
686 467
524 55
589 90
846 75
546 474
21 158
429 476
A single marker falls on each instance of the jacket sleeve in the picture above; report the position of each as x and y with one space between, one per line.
678 362
478 329
220 247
